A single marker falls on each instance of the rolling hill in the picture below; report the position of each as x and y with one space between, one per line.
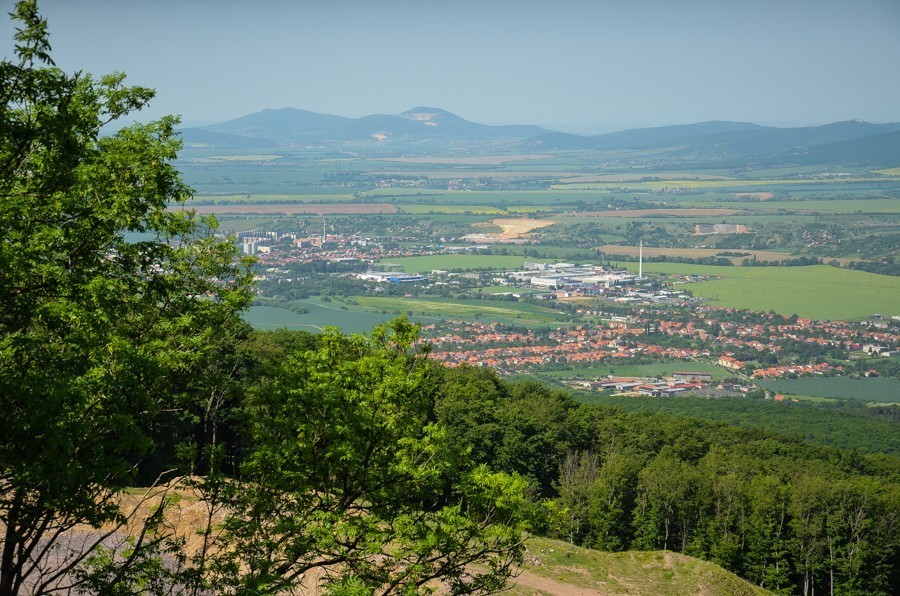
556 567
431 131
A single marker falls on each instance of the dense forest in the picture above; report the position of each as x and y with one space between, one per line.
787 515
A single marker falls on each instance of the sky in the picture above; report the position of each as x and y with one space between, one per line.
577 65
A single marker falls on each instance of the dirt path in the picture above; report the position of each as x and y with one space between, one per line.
526 579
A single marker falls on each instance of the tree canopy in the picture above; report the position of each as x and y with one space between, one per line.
119 346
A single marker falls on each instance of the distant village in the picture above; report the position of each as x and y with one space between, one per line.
662 324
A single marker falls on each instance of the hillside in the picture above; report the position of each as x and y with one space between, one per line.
289 126
433 131
555 567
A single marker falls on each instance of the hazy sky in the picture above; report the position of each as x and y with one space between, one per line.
589 65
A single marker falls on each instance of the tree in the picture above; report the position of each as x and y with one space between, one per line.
349 475
94 323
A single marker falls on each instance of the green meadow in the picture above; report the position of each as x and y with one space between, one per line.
465 309
832 205
463 262
870 390
320 315
451 209
818 291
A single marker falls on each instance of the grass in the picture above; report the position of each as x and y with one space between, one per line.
251 198
451 209
870 390
888 172
457 262
818 291
320 315
708 184
465 309
558 567
834 205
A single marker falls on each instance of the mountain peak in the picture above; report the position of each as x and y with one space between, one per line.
426 114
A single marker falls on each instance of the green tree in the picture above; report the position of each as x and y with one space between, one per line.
349 473
613 497
94 325
577 474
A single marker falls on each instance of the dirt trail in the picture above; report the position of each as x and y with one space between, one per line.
526 579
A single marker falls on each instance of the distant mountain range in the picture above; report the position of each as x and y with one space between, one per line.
425 130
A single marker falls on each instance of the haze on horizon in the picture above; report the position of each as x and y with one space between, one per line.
572 64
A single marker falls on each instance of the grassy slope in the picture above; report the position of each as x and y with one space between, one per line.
554 567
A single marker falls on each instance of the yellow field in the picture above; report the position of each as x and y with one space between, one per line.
888 172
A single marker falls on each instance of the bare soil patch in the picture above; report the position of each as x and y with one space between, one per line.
546 585
517 227
511 231
759 196
300 208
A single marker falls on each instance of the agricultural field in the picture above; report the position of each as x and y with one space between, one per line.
252 199
661 212
693 253
885 205
464 262
320 315
871 390
298 208
732 184
450 209
488 310
817 292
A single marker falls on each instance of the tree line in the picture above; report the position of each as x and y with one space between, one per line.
789 516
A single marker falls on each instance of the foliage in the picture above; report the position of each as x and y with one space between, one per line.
93 328
771 508
347 471
841 426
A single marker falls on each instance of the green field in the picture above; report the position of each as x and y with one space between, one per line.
320 315
417 209
467 309
250 199
836 205
818 291
656 370
457 262
870 390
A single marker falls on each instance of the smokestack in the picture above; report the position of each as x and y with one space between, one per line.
641 261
